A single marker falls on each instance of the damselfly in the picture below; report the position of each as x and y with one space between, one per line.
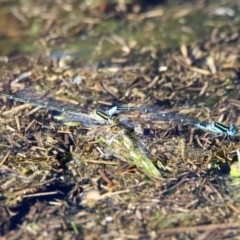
91 119
152 114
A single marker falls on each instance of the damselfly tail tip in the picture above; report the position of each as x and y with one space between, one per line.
112 111
232 130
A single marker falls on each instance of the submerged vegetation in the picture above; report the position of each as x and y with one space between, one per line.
85 173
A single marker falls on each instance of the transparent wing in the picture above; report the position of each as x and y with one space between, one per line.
152 114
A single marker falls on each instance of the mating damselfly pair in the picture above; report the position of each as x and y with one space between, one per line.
99 117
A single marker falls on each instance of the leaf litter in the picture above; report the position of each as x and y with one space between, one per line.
91 182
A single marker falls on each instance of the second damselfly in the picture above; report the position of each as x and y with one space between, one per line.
152 114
